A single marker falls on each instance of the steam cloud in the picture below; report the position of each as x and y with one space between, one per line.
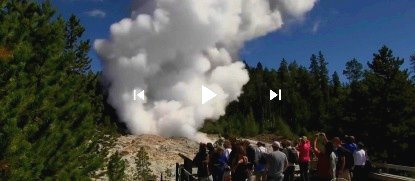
169 48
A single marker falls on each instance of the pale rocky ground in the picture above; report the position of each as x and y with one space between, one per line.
163 152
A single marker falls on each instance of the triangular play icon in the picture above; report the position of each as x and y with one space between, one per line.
207 94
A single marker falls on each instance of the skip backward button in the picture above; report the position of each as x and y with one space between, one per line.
140 95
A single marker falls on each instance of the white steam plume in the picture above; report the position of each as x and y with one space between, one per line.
169 48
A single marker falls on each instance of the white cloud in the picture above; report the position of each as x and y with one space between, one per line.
316 26
96 13
169 48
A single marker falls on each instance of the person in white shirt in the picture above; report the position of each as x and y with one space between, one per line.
227 174
227 145
360 159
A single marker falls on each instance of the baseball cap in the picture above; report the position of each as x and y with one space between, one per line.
276 144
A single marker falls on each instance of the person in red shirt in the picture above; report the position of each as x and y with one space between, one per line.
326 164
304 149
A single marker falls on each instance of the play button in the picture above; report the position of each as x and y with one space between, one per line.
207 94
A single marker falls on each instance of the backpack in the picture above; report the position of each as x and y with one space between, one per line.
263 159
349 159
292 155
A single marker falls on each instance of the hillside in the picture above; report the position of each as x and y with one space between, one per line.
163 152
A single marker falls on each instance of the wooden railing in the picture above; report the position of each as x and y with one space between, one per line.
184 171
382 171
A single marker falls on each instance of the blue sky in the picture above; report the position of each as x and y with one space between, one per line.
342 30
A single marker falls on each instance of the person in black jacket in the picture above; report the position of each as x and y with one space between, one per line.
201 160
211 154
250 153
292 157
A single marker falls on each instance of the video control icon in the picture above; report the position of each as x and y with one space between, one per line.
139 95
207 94
273 95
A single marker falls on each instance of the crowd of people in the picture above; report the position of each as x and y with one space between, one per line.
240 160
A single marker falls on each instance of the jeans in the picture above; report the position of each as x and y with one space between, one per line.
304 171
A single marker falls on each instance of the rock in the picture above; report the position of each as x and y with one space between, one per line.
123 153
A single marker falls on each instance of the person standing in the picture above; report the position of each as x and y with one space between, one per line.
260 161
341 152
250 153
239 167
277 163
304 149
360 159
292 156
219 164
227 145
326 164
201 160
212 158
350 144
350 147
227 175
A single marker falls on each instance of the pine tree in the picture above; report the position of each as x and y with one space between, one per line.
48 112
355 96
116 167
283 72
377 106
413 66
384 64
335 107
315 68
317 93
336 85
389 101
323 75
259 66
250 127
143 166
259 83
353 71
282 129
76 47
307 90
